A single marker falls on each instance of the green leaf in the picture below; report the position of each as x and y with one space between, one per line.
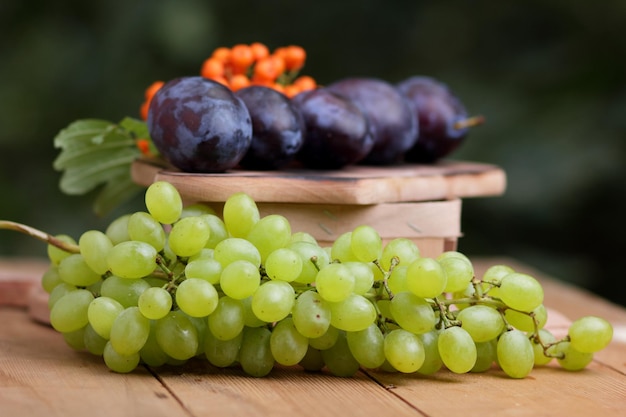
84 178
82 152
114 193
81 130
97 153
137 128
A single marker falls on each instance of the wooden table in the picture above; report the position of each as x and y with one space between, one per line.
40 375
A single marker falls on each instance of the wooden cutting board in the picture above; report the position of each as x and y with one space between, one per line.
361 185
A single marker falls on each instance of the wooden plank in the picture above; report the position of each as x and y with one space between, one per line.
351 185
286 392
17 279
326 222
41 376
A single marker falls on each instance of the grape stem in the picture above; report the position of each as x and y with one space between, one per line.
40 235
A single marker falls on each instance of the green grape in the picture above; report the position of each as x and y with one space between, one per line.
55 254
222 353
524 322
116 362
325 341
312 360
151 353
196 210
125 291
453 254
101 314
338 358
363 276
287 345
164 202
367 346
207 269
143 227
249 319
188 236
218 230
515 354
283 264
520 292
196 297
486 355
302 237
307 252
493 276
590 334
404 351
227 321
94 246
202 328
240 279
426 278
240 213
546 338
59 291
117 230
412 313
572 359
270 233
236 249
204 254
405 250
154 303
51 278
397 279
352 314
341 249
334 282
273 301
75 339
311 314
132 259
129 331
457 349
432 359
177 335
94 343
69 313
482 322
75 271
255 354
366 244
459 271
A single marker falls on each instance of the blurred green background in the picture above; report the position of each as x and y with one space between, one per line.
550 77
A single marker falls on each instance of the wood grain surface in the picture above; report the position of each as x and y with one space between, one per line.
41 375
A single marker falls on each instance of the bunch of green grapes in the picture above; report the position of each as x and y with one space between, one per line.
169 284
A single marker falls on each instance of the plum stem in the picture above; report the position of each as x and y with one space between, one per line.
469 122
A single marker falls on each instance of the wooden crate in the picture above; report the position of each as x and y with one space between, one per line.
418 202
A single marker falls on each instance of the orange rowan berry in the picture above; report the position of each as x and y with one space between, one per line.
241 57
291 90
144 146
212 68
294 57
259 51
143 110
239 81
305 83
269 68
221 54
152 89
